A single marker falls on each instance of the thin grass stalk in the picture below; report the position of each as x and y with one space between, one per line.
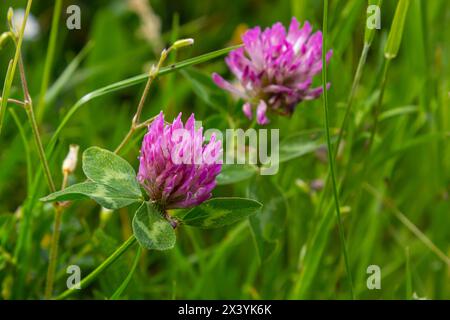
408 224
42 106
34 128
348 111
26 148
12 66
330 152
376 114
368 39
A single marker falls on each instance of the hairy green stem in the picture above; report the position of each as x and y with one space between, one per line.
94 274
154 71
330 153
25 146
34 128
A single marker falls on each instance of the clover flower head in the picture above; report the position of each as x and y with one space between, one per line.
177 168
275 68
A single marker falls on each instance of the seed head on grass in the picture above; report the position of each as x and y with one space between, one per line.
275 69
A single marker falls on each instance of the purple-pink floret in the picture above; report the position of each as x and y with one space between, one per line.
275 69
177 168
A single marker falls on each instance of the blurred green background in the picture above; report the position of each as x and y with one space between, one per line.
409 165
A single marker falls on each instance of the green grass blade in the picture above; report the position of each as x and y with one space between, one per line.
67 74
104 265
395 35
330 150
116 295
5 94
42 105
26 147
12 68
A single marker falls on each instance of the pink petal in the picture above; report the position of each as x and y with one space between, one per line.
261 113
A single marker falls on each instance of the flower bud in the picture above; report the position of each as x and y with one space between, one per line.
70 163
395 35
105 215
10 18
182 43
3 38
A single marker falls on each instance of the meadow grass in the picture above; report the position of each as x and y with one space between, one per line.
388 123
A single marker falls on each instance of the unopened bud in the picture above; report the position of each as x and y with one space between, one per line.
395 35
10 18
3 38
70 162
302 185
105 215
183 43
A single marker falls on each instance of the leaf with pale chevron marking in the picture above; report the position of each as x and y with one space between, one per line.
113 182
104 195
152 231
105 167
220 212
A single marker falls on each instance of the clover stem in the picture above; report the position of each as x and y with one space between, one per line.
34 127
136 118
125 140
130 133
